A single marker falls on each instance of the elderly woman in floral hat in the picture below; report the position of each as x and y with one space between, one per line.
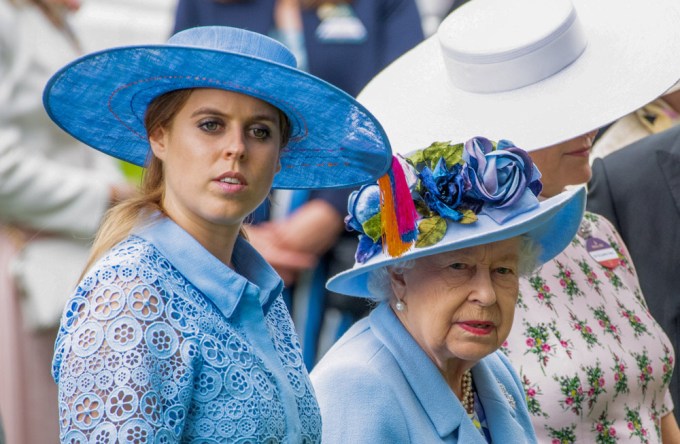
424 366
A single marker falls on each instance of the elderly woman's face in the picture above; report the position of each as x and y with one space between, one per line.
460 304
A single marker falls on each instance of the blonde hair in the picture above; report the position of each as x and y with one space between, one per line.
121 219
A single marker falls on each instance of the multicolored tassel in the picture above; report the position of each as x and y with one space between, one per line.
397 212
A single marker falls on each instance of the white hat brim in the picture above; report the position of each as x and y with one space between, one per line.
631 58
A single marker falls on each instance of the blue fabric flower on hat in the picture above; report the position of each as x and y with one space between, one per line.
364 216
443 188
451 183
501 176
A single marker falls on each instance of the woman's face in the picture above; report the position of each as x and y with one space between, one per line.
220 155
460 305
564 164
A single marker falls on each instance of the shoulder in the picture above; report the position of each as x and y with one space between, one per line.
600 225
642 152
501 367
356 388
357 355
357 369
131 252
129 264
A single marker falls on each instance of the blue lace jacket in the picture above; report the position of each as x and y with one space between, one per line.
162 343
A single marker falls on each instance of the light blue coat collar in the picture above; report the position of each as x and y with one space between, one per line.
222 285
439 402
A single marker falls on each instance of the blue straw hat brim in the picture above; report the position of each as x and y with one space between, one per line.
101 99
551 226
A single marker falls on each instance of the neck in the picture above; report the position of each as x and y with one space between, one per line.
461 385
454 374
219 240
549 192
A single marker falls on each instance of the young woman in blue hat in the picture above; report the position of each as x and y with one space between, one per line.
177 330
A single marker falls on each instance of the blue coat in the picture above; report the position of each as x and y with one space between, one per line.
376 385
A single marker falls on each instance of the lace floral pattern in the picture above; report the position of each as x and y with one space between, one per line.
143 356
594 363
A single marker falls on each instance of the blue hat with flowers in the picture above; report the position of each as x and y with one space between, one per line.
101 100
452 196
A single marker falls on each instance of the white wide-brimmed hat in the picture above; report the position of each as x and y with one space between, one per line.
532 71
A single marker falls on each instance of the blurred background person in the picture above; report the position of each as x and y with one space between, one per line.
432 12
595 364
656 116
53 194
301 233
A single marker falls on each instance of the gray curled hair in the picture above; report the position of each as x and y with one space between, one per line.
379 281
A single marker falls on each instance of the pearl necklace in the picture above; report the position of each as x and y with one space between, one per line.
468 398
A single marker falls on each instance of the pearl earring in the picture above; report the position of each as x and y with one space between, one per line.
400 306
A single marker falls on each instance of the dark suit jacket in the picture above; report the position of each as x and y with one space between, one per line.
638 189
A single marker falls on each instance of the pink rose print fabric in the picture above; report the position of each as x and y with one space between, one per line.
595 365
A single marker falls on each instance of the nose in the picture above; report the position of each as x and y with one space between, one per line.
482 292
590 137
235 145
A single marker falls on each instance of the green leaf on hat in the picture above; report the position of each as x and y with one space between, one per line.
452 154
469 217
372 227
430 231
422 208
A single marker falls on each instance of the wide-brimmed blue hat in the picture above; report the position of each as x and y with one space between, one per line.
102 97
463 195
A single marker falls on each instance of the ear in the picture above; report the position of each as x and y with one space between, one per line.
159 142
398 284
278 160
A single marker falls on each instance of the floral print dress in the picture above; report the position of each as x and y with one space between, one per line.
594 363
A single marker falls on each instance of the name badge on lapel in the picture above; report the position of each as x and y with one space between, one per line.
339 24
600 250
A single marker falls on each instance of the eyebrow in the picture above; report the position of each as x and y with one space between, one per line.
216 112
509 256
466 256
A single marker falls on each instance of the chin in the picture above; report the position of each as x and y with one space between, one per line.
473 353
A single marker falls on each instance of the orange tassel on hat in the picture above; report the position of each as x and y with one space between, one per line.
397 212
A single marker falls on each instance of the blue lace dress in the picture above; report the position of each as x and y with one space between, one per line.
162 343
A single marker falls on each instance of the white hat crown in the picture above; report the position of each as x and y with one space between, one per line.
514 48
